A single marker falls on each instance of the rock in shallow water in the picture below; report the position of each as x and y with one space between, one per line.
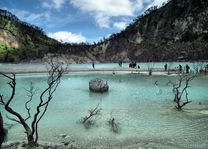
98 85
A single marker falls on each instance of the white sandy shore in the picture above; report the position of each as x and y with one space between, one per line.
115 70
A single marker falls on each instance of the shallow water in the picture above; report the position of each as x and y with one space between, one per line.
145 111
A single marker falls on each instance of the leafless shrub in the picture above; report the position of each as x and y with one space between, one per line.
55 74
169 67
199 67
180 89
89 120
150 66
114 125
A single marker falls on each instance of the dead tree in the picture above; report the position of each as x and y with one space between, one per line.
199 67
169 67
150 66
180 89
31 130
114 125
88 120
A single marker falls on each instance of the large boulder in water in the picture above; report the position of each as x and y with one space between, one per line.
98 85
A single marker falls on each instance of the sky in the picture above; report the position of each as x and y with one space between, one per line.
76 21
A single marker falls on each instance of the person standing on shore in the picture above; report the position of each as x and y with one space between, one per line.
187 68
3 131
180 68
93 65
166 67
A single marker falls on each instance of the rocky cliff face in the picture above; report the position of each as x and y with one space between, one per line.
177 31
8 39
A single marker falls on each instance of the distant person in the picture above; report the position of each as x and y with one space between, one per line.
93 65
3 131
138 67
120 64
166 67
132 64
180 68
187 68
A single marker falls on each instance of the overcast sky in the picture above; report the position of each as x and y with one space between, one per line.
78 20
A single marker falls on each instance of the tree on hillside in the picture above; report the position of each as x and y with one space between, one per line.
55 74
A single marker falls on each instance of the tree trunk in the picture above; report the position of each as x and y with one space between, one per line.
30 138
31 142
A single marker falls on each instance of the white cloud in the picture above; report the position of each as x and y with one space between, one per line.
33 18
57 4
63 36
104 10
120 25
46 5
157 3
103 20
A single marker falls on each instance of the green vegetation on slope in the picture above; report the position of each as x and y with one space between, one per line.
21 41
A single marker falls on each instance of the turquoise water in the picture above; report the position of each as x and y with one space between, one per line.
145 112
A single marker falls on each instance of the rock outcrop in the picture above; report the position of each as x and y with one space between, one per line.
175 32
98 85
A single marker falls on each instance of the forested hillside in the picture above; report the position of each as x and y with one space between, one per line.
178 31
21 41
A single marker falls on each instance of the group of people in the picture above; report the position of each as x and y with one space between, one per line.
187 68
133 65
3 131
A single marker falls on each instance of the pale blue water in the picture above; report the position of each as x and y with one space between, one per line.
145 112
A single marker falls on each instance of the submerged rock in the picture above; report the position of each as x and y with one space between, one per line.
98 85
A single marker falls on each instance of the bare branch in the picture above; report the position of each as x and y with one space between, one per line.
31 93
180 88
22 121
12 119
12 84
1 100
92 113
55 73
114 125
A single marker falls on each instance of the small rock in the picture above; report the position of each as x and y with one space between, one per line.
63 135
66 143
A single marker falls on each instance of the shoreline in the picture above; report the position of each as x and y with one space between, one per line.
69 145
115 70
